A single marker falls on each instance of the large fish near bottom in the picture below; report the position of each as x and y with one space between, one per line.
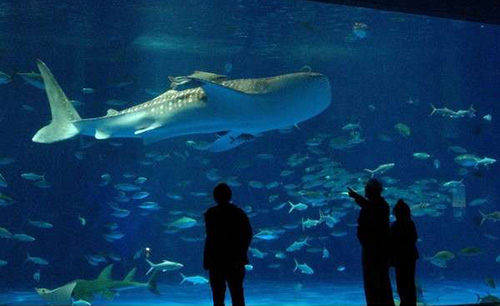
103 285
234 109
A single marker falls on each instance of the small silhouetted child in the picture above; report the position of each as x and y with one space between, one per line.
405 254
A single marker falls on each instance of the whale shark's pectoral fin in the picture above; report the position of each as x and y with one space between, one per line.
224 93
108 294
153 126
228 141
100 134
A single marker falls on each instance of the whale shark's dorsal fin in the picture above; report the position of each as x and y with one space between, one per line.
112 112
208 76
130 276
106 273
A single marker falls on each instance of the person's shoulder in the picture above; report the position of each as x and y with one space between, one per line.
237 209
211 210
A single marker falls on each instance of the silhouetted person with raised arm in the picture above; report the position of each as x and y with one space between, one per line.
404 253
229 234
373 234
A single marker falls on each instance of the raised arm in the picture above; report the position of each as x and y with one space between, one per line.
359 199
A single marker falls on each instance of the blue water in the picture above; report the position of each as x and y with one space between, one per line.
384 72
274 293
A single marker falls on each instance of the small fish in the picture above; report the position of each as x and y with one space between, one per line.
79 155
36 260
256 184
272 185
257 253
297 245
326 254
42 184
421 155
341 268
140 195
352 126
82 220
120 213
163 266
28 108
111 237
5 200
280 255
477 202
149 205
4 233
126 187
454 184
265 156
195 280
80 303
3 263
5 78
175 196
183 223
470 251
228 67
140 180
33 176
88 90
40 224
467 160
33 79
403 129
298 206
76 103
303 268
381 169
488 117
286 172
437 164
36 276
3 181
457 149
23 237
267 235
4 161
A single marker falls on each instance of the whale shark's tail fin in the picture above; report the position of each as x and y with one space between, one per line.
153 284
63 113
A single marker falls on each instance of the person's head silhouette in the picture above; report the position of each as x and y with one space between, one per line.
402 211
373 189
222 194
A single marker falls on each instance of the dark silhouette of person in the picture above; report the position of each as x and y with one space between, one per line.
404 254
374 234
229 234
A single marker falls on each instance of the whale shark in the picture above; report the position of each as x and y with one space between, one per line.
234 109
